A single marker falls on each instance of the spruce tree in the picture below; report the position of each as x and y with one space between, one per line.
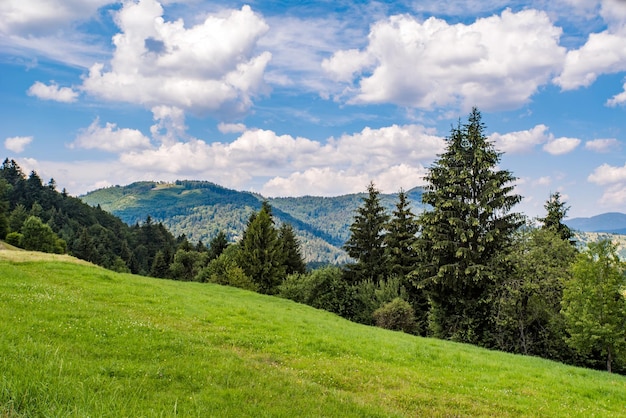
466 234
556 212
366 242
260 255
291 251
401 237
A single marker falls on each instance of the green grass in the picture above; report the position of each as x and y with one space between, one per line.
78 340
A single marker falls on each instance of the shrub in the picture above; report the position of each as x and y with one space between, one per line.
15 239
396 315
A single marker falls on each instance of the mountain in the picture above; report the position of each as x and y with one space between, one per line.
612 222
201 209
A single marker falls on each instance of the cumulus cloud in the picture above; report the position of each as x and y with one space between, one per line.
209 67
496 62
17 143
52 92
560 146
390 155
110 138
521 141
603 53
607 174
602 145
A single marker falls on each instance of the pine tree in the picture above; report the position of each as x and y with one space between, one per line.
260 256
466 234
366 243
290 249
554 218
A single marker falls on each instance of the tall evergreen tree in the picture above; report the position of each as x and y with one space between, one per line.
401 237
466 234
260 255
290 249
556 212
366 244
217 245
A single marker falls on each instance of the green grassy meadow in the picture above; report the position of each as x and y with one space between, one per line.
78 341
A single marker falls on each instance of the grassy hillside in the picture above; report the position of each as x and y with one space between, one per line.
78 340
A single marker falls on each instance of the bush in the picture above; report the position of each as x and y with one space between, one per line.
323 289
15 239
397 315
224 270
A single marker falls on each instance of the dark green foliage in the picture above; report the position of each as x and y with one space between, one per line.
217 245
225 270
397 315
160 266
528 318
366 244
90 233
187 264
290 249
260 256
466 234
4 208
401 238
594 304
556 212
323 288
15 239
37 236
17 217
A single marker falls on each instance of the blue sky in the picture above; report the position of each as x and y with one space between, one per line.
315 98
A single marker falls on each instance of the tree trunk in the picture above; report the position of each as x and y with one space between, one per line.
608 360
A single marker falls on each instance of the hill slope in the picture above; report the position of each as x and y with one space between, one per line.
79 340
201 209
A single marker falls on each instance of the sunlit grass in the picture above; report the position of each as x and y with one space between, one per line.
78 340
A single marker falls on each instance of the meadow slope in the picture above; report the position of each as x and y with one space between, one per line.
79 340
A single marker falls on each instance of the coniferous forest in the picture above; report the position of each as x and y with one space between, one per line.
468 268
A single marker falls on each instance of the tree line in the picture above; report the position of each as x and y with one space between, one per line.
467 269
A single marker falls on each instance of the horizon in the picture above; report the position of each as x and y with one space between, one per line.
318 98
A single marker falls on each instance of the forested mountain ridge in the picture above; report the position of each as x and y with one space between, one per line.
611 222
201 209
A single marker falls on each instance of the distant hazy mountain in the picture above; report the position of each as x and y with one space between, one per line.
201 209
612 222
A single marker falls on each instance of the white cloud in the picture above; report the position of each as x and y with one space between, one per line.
324 181
603 53
607 174
36 17
17 143
614 196
618 99
209 67
392 155
520 141
602 145
496 62
231 128
52 92
110 138
560 146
